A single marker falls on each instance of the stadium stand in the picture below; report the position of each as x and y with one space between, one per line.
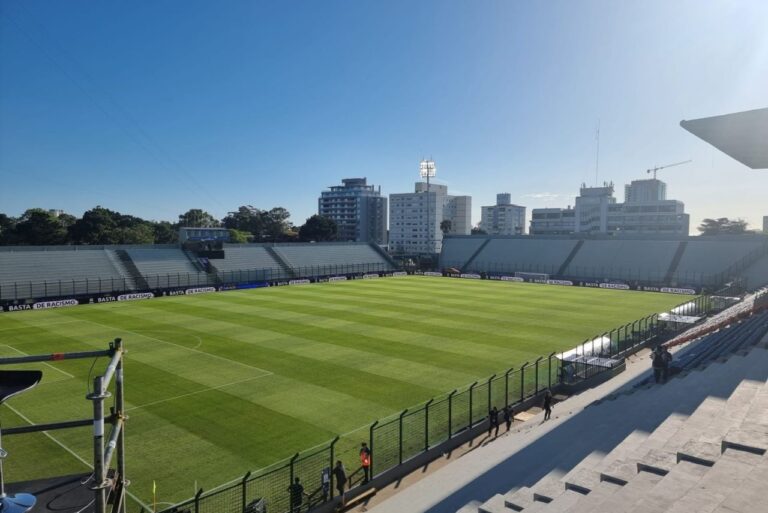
623 259
458 253
165 267
516 253
756 274
28 271
665 261
243 262
304 259
704 256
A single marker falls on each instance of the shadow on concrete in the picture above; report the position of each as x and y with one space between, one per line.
600 428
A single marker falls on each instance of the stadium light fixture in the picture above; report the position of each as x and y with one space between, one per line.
427 169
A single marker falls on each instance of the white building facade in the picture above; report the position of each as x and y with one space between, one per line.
646 210
503 218
415 218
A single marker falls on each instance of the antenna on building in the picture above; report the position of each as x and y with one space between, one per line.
597 151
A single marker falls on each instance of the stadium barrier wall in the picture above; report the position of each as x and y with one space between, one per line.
635 278
24 295
421 433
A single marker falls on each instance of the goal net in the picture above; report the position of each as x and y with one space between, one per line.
532 276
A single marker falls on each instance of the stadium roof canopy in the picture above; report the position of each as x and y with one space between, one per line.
741 135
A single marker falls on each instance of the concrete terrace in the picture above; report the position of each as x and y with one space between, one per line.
563 458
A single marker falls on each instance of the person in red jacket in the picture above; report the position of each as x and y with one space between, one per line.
365 461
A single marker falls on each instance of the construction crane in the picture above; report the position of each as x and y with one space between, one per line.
657 168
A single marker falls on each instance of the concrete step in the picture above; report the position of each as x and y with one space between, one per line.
493 505
548 488
745 440
628 495
620 472
677 482
519 499
657 462
726 475
560 504
581 480
587 502
700 452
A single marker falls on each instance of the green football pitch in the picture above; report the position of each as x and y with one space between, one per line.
219 384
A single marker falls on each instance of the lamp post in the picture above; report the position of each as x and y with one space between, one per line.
427 169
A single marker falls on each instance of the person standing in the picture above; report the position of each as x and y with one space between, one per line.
365 461
508 414
296 491
340 475
547 405
493 421
667 357
657 362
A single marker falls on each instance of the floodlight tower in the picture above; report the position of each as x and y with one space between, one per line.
427 169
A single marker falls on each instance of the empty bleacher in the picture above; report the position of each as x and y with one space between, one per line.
310 259
458 250
623 259
247 262
522 254
674 261
166 267
706 256
711 459
35 272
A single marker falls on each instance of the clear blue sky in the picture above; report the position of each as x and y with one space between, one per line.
155 107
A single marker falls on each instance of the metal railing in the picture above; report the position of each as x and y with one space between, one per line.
28 290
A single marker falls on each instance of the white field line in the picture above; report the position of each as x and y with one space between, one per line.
44 363
37 325
196 392
73 453
264 371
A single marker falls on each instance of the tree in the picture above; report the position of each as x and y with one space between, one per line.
478 231
40 228
97 226
276 224
7 225
722 225
165 233
445 226
246 219
197 218
318 228
238 236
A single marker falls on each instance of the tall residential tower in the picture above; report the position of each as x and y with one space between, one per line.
359 210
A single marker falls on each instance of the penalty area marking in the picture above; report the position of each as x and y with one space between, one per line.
265 371
209 389
73 453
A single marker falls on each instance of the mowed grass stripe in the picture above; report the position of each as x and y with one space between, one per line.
549 304
355 333
347 378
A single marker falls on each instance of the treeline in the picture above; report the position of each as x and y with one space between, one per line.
100 225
